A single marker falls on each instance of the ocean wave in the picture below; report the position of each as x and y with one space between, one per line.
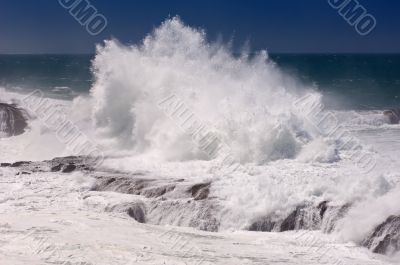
246 102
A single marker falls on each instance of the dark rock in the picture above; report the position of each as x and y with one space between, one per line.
56 168
23 173
303 217
69 168
200 191
197 214
149 188
332 215
323 206
273 223
70 157
155 192
111 180
263 225
289 223
169 201
13 120
80 162
136 212
121 184
5 164
385 238
20 163
307 217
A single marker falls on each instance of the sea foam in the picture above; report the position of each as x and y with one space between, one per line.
246 101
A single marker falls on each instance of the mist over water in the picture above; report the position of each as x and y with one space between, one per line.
245 100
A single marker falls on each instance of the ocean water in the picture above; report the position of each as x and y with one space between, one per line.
353 81
62 75
348 81
120 98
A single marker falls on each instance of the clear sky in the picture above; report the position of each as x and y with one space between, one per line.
293 26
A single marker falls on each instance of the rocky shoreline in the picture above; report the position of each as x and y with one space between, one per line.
163 201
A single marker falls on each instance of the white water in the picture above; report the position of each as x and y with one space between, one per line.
248 103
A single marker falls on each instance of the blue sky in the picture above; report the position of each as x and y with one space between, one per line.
290 26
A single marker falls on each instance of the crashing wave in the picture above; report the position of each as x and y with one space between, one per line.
244 102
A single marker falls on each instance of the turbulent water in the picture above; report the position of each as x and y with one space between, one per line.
149 106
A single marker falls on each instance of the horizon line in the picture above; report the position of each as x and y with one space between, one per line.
270 53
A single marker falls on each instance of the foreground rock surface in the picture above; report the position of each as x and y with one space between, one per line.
148 199
161 201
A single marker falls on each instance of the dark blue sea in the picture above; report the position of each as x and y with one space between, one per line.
352 81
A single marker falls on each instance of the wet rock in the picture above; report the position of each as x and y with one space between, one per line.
332 214
122 184
80 162
137 212
385 239
323 206
13 120
157 191
163 201
262 225
56 168
111 180
289 223
303 217
23 173
68 168
168 201
20 163
136 185
200 191
197 214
